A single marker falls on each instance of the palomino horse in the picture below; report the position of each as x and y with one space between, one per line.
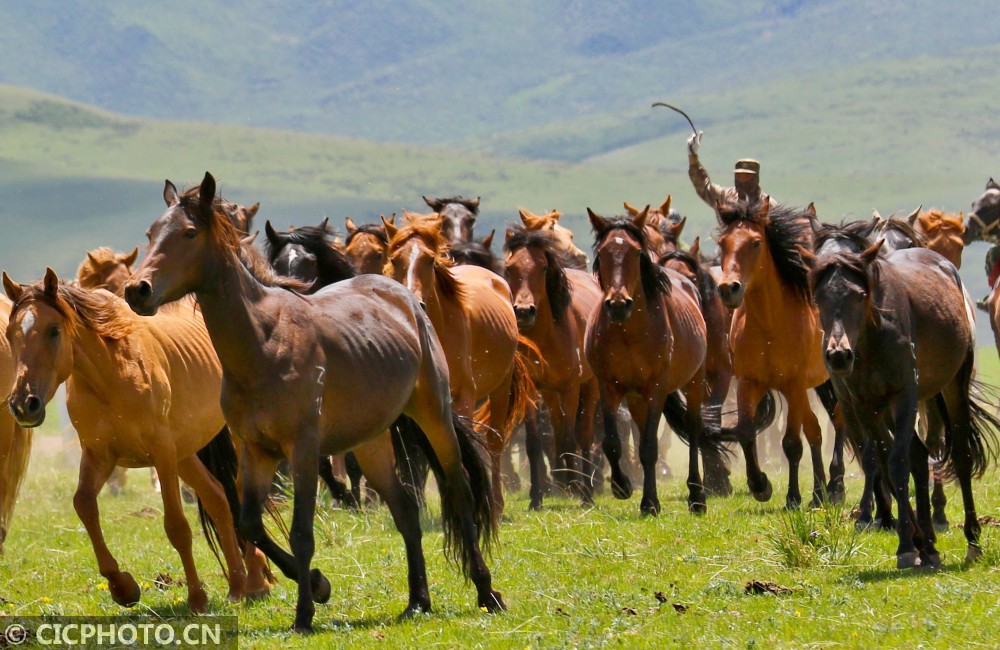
140 392
897 333
471 310
366 245
553 304
15 441
645 342
299 376
458 217
573 256
775 336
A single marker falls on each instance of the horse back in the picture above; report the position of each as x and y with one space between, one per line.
687 325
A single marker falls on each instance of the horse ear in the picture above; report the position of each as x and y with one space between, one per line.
130 259
474 203
50 283
325 224
876 216
677 227
93 260
869 254
169 193
252 210
526 217
433 204
597 222
807 256
632 210
11 288
392 218
390 230
249 239
992 184
554 215
207 191
488 239
269 232
665 208
695 248
350 225
639 220
811 209
765 206
912 217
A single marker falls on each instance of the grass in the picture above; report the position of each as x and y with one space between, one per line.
603 577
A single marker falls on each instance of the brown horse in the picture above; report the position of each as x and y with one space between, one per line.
366 245
299 376
943 233
15 441
775 336
458 217
471 310
140 392
573 256
553 304
663 227
645 343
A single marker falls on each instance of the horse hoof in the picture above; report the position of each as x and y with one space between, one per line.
864 526
649 509
973 553
413 610
587 503
764 494
941 525
536 504
886 524
835 492
720 490
494 602
302 628
320 586
931 560
621 490
124 589
697 507
198 601
256 596
792 503
907 560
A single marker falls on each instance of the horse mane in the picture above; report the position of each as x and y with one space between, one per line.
472 205
475 253
934 220
903 227
557 286
98 311
655 280
857 233
88 273
430 234
375 229
869 275
333 265
785 229
707 287
223 232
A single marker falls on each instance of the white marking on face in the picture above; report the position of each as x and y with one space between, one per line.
27 322
619 240
411 271
291 256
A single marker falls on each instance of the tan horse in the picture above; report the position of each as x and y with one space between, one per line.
141 392
553 304
470 308
943 233
366 245
662 233
15 441
575 258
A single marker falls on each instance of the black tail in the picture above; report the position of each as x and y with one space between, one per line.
714 437
412 463
475 461
219 457
982 442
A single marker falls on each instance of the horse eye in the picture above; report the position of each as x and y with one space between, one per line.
54 332
756 243
191 233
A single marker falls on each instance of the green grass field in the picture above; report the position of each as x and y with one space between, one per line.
572 577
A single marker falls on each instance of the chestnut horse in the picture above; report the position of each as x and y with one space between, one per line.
458 217
470 308
897 333
140 392
295 370
943 233
645 342
15 441
553 305
775 336
663 227
366 245
573 257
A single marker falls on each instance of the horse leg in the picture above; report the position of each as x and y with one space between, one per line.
646 412
584 426
935 429
376 459
355 474
959 412
904 418
536 460
178 530
835 490
695 394
94 472
213 499
564 470
511 479
924 537
748 395
498 437
621 486
814 437
717 472
304 463
337 487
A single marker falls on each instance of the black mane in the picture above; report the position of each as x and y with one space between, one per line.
557 286
331 264
654 277
707 287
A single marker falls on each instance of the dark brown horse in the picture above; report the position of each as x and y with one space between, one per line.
295 370
897 333
645 342
458 216
553 304
983 222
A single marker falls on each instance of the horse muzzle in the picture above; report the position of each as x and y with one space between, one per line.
732 293
618 309
525 315
139 296
839 360
28 411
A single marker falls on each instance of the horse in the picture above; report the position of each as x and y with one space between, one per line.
366 245
476 252
140 392
983 220
15 440
574 257
458 217
553 304
943 233
645 343
297 367
775 337
897 333
308 254
663 226
470 308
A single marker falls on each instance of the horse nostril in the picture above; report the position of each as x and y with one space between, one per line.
423 305
32 405
145 289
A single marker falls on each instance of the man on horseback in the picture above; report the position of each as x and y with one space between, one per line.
746 177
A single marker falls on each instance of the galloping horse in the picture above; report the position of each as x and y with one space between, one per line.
298 376
553 304
471 310
662 231
897 333
775 336
573 257
366 245
458 217
140 392
645 342
15 441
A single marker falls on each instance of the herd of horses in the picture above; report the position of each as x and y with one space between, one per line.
213 362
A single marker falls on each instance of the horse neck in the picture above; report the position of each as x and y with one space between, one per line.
96 360
767 299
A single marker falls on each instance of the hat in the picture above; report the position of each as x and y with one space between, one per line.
748 166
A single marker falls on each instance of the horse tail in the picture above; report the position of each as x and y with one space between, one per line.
522 390
15 449
675 411
219 458
767 410
982 439
476 462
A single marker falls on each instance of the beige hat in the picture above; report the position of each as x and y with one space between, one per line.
748 166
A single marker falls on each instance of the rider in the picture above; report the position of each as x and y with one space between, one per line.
746 179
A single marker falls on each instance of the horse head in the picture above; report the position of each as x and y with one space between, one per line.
106 269
984 218
459 217
563 236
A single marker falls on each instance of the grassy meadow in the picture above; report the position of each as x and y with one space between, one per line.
572 577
